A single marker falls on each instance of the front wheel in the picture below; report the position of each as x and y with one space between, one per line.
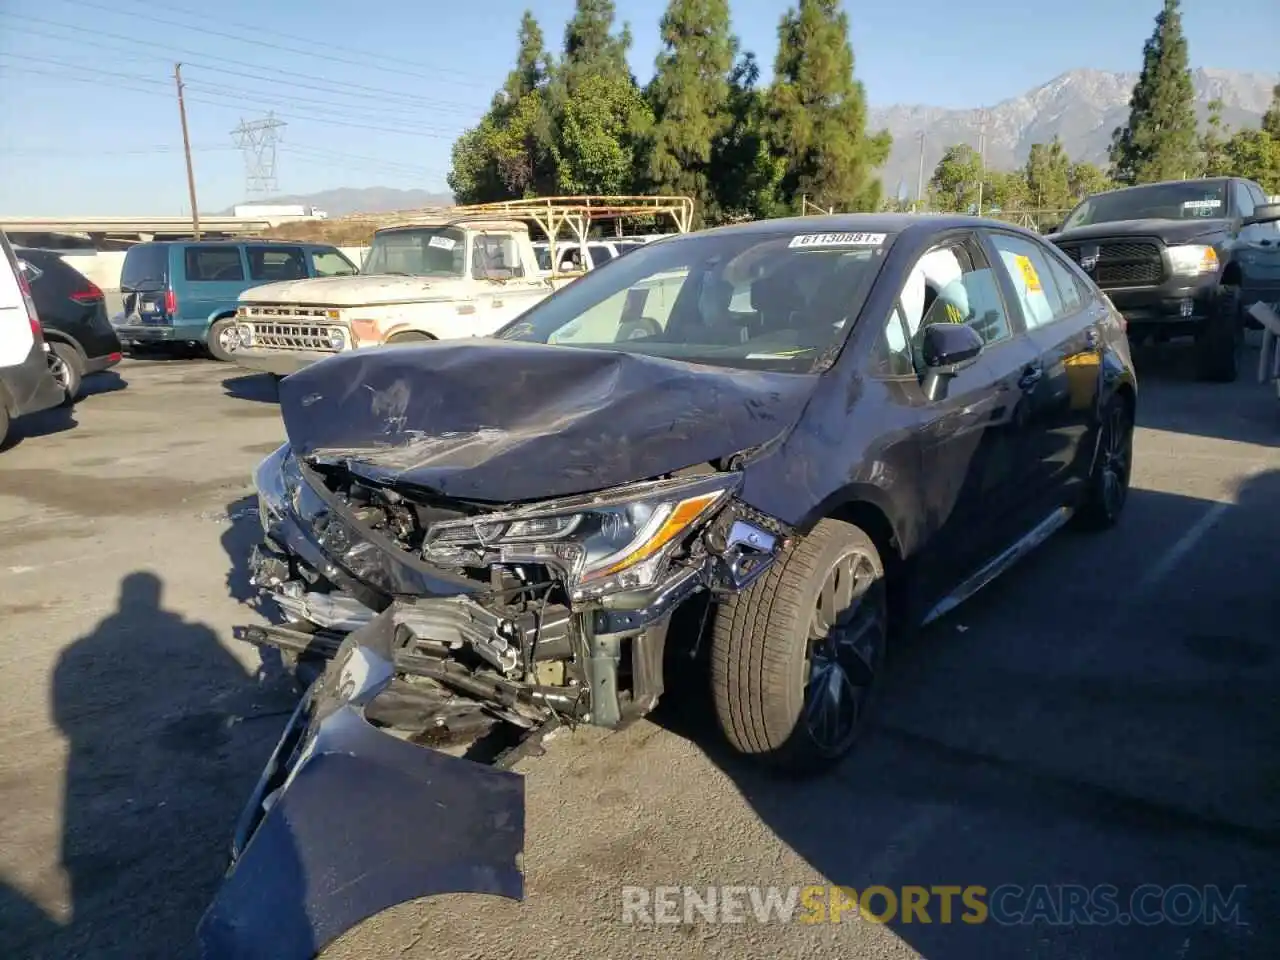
222 339
796 659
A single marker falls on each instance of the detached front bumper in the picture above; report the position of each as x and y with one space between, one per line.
347 820
279 362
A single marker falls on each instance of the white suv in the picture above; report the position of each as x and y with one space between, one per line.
26 385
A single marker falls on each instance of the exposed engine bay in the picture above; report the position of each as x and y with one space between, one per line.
518 615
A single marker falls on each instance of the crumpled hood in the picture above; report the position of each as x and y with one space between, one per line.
357 291
505 421
1170 231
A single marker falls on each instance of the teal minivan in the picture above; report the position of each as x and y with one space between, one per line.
185 292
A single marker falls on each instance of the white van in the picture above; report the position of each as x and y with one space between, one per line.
26 385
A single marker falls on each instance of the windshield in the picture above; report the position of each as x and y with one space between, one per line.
738 299
1191 200
419 252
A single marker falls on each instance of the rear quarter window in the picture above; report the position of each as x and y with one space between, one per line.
145 265
219 264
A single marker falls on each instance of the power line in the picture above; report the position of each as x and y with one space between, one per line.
253 71
230 101
356 162
255 28
150 17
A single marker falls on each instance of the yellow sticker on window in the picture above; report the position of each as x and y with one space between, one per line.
1029 273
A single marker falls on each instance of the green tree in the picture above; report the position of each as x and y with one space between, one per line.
533 65
1048 173
1213 154
818 113
601 135
690 96
591 46
1255 154
953 188
1005 191
1159 141
747 173
1271 119
1084 180
473 174
511 152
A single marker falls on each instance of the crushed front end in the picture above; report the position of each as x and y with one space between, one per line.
523 613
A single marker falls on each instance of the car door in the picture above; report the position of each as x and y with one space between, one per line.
1061 320
508 285
214 276
972 448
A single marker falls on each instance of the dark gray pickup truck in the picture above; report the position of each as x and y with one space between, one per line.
1181 258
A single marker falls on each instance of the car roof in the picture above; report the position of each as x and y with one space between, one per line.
235 241
1209 181
903 224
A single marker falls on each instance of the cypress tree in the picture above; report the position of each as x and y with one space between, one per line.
690 98
1159 142
590 45
818 113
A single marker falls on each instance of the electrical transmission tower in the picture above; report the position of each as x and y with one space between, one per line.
258 139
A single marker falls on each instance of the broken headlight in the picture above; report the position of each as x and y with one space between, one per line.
602 543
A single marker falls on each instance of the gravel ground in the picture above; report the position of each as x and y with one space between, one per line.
1104 714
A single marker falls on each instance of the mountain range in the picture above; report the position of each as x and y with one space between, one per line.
1080 107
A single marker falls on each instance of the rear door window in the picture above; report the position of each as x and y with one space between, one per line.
146 267
599 253
331 263
1028 268
219 264
271 264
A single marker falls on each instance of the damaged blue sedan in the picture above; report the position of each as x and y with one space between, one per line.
756 448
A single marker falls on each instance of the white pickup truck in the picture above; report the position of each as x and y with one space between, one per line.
435 279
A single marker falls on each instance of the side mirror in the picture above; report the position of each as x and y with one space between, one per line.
1266 213
1052 228
947 348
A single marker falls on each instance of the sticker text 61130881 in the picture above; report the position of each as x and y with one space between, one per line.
837 240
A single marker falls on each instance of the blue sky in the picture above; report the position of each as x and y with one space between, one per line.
376 94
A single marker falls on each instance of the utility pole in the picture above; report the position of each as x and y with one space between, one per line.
982 157
920 174
186 149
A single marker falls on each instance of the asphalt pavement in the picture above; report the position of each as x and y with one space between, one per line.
1105 715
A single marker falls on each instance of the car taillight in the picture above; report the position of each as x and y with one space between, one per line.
171 303
90 294
25 288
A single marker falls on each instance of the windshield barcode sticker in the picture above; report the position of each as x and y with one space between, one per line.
442 243
837 240
1201 204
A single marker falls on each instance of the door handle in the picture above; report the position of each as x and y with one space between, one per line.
497 303
1031 375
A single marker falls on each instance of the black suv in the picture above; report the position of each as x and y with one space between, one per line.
73 312
1173 258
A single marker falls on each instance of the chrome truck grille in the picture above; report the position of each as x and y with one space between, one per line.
290 327
283 335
